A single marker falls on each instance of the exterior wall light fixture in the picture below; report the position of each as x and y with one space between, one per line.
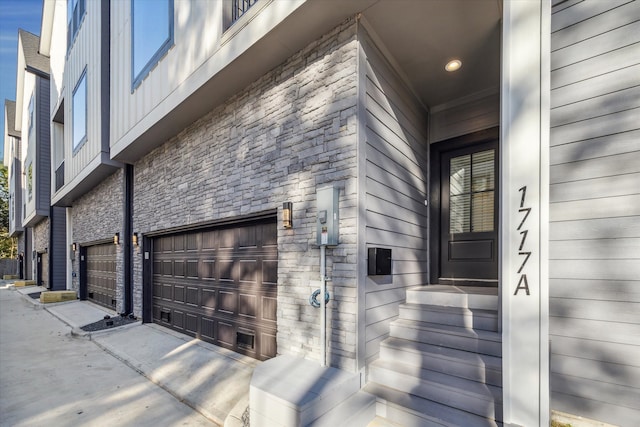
74 246
116 239
134 239
287 215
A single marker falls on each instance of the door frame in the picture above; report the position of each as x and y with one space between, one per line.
436 151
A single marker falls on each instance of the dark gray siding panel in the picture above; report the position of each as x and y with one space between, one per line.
43 151
58 248
595 210
396 169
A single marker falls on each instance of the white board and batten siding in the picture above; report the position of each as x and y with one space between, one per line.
395 175
595 210
86 53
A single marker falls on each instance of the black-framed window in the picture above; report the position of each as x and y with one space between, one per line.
151 35
234 9
75 12
79 112
31 115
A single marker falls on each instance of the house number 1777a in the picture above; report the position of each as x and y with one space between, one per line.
523 283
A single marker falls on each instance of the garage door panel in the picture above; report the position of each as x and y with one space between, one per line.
224 285
207 269
177 319
225 272
248 270
226 334
248 305
267 345
269 305
209 240
178 293
192 296
192 269
209 298
227 239
247 238
191 323
269 235
270 272
227 301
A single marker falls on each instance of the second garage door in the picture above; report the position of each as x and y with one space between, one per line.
101 274
220 285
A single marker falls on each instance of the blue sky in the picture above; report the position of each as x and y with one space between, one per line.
14 14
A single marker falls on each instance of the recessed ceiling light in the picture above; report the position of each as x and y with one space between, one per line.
453 65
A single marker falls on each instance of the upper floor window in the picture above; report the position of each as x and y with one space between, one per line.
240 7
29 179
75 13
79 113
151 35
234 9
31 112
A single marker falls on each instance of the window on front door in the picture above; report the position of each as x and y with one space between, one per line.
471 192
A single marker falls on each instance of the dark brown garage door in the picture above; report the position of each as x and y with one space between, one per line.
220 285
101 274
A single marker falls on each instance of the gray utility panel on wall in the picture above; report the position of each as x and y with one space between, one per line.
328 216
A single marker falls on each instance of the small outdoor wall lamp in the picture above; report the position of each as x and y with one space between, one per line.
74 246
134 239
287 213
116 239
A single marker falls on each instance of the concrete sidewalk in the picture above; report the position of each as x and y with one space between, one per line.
212 380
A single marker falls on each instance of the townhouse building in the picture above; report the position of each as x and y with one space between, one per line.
27 155
460 176
13 162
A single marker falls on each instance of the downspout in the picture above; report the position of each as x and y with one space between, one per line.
128 232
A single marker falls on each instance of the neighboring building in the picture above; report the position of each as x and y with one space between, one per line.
183 130
32 118
86 184
13 162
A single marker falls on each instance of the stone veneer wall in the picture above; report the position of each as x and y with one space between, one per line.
40 243
41 235
285 135
96 217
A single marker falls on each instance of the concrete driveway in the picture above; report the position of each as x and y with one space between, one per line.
137 375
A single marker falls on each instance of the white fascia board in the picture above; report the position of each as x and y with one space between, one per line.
6 141
46 27
20 71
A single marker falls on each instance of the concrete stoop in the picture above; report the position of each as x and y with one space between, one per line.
57 296
289 391
441 364
23 283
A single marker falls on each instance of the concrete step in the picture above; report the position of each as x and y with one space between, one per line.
357 410
409 410
456 316
480 399
478 341
463 364
57 296
471 297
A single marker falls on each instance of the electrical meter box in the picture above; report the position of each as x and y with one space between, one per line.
328 216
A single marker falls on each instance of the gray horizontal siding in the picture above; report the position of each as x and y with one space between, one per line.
594 246
396 161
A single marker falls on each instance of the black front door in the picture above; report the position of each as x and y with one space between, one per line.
469 215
